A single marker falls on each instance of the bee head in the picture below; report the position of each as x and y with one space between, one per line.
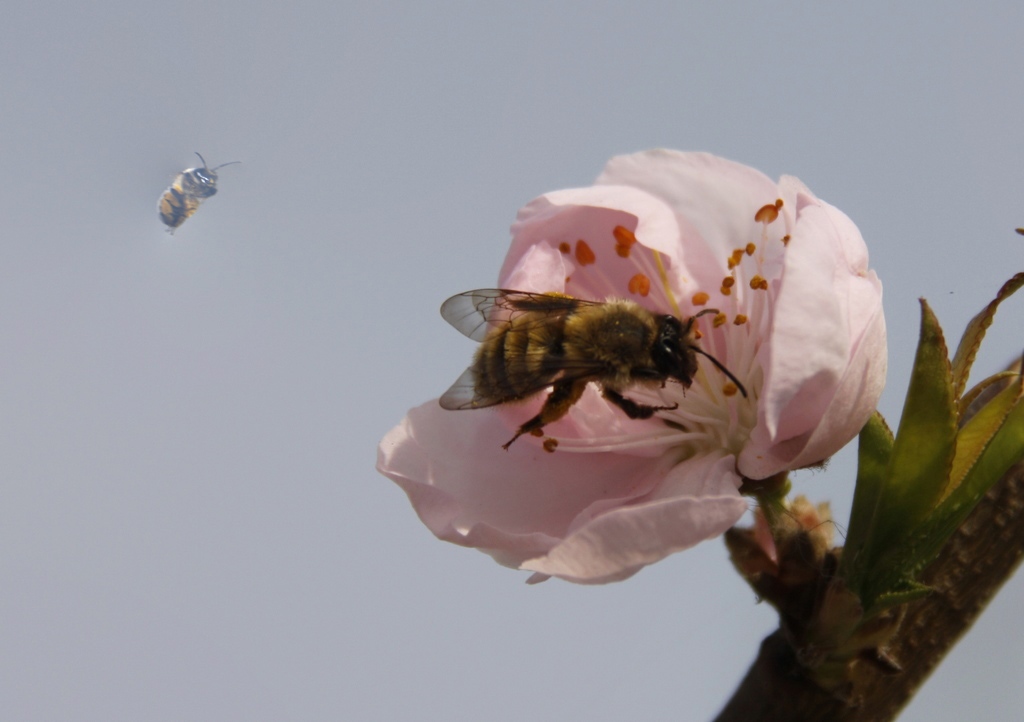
672 352
209 175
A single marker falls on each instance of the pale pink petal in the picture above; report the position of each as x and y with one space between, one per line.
714 201
815 359
619 542
512 504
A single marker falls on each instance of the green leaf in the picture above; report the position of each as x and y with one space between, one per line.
967 399
904 592
999 451
975 332
977 434
922 452
874 448
919 466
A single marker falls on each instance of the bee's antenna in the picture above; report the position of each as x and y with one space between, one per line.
224 164
721 368
200 158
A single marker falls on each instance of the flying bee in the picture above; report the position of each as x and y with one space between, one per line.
532 341
190 188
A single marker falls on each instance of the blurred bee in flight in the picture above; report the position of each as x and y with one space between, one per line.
530 341
190 188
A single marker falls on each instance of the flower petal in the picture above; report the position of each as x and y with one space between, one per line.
513 505
825 359
698 500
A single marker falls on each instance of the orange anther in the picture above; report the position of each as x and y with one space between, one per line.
640 284
584 253
767 214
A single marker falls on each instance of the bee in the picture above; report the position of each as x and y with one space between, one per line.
190 188
532 341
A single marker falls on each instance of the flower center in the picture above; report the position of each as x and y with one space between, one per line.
712 412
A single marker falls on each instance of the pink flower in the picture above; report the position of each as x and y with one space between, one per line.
800 325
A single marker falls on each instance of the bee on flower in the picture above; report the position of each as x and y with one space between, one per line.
761 276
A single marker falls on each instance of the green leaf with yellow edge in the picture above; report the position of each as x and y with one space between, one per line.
874 448
975 332
918 470
997 453
922 452
977 434
967 399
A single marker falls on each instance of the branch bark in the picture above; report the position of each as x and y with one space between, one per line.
975 563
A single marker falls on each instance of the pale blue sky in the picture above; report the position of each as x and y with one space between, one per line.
191 526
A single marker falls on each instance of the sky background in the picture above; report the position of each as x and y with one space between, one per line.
191 526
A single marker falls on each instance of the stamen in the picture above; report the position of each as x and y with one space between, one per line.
719 320
767 214
550 444
730 389
735 258
564 247
640 285
750 249
785 240
700 298
758 283
584 253
728 282
739 320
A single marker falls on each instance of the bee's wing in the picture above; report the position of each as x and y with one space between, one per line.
463 395
474 312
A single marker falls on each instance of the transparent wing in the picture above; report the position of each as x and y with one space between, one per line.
463 395
473 313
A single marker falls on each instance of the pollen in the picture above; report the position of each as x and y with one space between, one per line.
750 249
730 389
728 282
640 284
778 203
766 214
550 445
785 240
584 253
624 241
758 283
739 320
719 320
700 298
735 258
564 247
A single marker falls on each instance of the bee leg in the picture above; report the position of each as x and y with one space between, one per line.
632 408
565 393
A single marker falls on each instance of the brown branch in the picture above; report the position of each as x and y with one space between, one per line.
974 564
